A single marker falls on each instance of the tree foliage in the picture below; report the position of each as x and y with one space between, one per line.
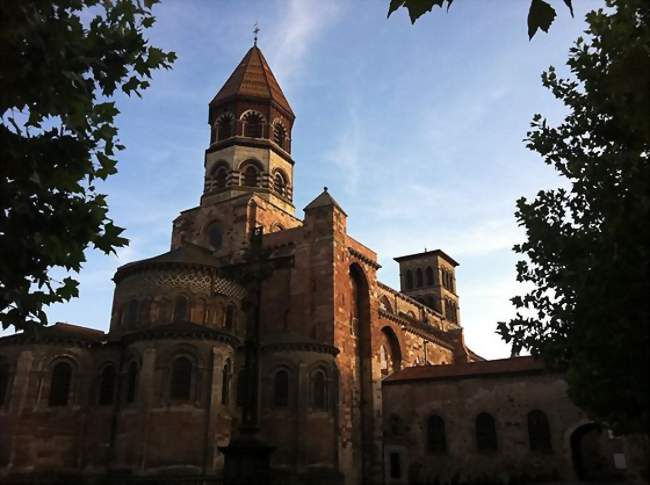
62 62
540 13
586 253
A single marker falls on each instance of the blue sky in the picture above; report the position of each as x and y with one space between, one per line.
416 130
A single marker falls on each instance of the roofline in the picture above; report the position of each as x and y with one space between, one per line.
436 252
536 367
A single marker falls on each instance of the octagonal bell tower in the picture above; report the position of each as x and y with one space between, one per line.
250 137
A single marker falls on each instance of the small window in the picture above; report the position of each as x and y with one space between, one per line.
539 433
60 384
4 382
107 386
180 309
181 380
395 465
279 134
408 280
419 281
144 309
224 127
436 438
225 383
131 383
215 236
250 176
280 184
319 390
132 313
429 275
281 389
164 311
486 434
253 125
229 318
221 177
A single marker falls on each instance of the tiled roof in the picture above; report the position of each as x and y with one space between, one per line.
60 331
324 200
469 369
436 252
253 77
186 254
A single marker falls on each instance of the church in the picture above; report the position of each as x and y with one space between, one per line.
259 326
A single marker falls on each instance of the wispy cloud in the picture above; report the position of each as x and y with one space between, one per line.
346 152
302 22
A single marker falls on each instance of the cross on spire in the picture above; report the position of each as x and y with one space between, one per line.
256 30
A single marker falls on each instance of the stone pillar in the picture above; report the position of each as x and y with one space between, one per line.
301 414
214 406
19 396
146 388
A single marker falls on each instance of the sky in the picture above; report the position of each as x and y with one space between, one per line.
417 131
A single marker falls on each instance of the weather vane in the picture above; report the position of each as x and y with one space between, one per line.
256 31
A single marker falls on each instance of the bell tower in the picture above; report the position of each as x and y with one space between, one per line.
430 278
250 137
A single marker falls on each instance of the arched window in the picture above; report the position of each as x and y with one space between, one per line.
4 382
408 280
220 176
253 125
224 127
486 434
419 281
436 437
229 318
429 275
319 390
132 313
539 433
385 304
280 184
226 376
215 237
143 311
250 176
107 386
180 385
60 384
281 389
164 311
279 134
180 309
131 382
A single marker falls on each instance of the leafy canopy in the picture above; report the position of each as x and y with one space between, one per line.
540 13
586 253
62 62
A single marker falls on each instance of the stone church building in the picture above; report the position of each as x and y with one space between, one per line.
258 323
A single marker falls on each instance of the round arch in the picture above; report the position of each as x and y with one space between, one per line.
390 352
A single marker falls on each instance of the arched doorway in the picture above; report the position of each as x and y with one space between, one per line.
361 320
595 453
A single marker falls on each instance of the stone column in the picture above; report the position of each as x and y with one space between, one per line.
213 408
146 391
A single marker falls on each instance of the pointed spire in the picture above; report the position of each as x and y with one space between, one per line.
324 200
253 78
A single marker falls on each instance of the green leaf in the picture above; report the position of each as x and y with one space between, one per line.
540 16
394 5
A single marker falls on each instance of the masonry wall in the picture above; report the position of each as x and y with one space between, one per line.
407 406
